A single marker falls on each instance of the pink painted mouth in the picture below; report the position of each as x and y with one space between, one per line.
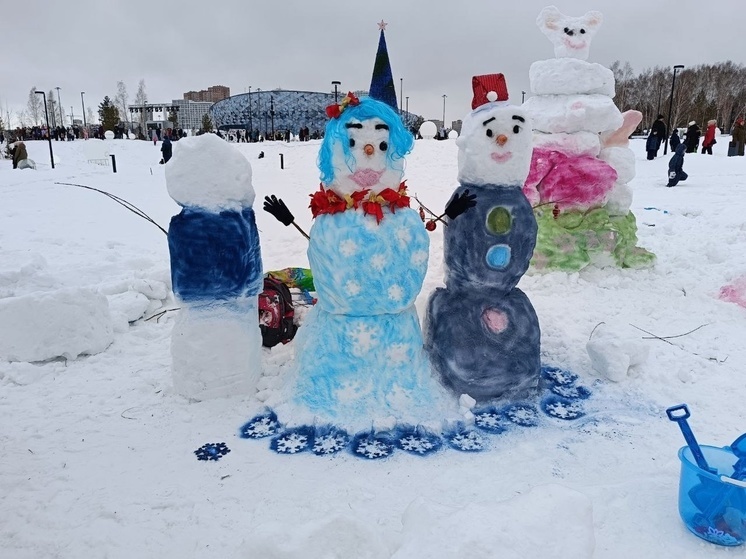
501 157
570 44
366 177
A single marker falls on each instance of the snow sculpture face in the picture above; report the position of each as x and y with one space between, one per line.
364 148
495 146
209 173
571 36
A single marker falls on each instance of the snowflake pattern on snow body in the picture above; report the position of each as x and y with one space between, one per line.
372 446
562 408
260 426
212 451
293 441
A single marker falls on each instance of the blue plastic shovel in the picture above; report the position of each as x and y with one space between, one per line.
673 415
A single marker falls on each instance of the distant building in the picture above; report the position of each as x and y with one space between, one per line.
212 94
190 113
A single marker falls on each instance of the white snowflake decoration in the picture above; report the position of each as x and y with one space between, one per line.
364 339
468 441
292 443
488 420
396 293
397 354
416 444
371 448
348 247
403 235
562 410
352 287
329 444
378 262
419 257
262 427
523 415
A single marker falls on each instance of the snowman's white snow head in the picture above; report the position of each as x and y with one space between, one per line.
571 36
364 148
495 145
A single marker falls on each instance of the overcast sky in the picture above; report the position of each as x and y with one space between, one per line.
434 45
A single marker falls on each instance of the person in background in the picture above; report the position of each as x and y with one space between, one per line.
675 140
18 151
166 147
661 132
738 136
709 140
651 145
691 137
676 166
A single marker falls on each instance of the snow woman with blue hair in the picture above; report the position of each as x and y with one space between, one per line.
359 352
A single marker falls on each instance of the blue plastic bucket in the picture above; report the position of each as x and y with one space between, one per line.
712 506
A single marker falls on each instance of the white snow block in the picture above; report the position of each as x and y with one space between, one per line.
216 350
615 350
64 323
572 145
565 76
622 160
573 113
619 199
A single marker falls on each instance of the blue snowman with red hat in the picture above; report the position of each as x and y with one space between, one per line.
481 331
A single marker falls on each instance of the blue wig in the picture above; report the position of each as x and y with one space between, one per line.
401 140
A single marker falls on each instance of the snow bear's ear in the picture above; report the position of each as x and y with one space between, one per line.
549 19
593 20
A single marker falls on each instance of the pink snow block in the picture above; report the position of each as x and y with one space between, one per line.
734 292
542 163
620 136
580 182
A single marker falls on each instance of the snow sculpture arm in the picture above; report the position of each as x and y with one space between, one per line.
460 203
275 206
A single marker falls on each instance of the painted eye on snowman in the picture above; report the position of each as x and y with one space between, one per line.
582 31
516 129
489 133
383 146
352 142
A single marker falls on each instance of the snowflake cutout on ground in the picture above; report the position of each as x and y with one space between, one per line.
419 257
291 442
353 287
561 408
522 414
491 421
364 339
260 426
558 376
372 447
212 451
467 441
395 293
571 392
378 262
348 247
330 441
418 442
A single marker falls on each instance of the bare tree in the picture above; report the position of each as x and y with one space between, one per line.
141 99
121 100
90 116
34 106
52 109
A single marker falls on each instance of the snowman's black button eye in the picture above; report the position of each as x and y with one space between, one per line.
489 133
352 142
516 129
582 31
383 146
566 29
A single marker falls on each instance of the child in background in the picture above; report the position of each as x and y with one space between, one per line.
676 166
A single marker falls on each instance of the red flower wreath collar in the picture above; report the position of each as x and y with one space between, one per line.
326 201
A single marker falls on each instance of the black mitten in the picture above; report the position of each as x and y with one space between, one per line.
460 203
277 208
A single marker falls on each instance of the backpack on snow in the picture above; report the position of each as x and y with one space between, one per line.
276 313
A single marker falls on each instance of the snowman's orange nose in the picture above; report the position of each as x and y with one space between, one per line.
501 139
368 149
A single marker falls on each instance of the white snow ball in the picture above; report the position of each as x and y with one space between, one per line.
573 113
130 304
63 323
428 130
615 349
622 160
452 135
563 76
619 199
208 173
109 135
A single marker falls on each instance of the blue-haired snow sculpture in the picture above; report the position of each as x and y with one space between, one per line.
216 270
482 332
359 352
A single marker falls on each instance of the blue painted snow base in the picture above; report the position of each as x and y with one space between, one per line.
560 397
212 451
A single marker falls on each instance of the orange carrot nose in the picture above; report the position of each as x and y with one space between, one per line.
501 139
368 149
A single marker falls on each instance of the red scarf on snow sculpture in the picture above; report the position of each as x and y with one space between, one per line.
326 201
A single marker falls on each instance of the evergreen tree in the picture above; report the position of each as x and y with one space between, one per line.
206 123
382 85
108 114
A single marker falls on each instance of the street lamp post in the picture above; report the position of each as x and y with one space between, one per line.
82 102
407 109
523 96
444 112
272 114
250 123
59 103
259 104
49 131
335 84
401 95
670 107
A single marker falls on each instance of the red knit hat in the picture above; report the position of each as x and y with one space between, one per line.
483 85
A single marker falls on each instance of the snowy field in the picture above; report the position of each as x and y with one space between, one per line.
97 453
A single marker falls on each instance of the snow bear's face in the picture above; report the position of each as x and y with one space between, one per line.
495 146
571 36
364 163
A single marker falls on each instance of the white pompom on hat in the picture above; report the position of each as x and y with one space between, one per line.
692 123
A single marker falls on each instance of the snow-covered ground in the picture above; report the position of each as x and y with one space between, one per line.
97 452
